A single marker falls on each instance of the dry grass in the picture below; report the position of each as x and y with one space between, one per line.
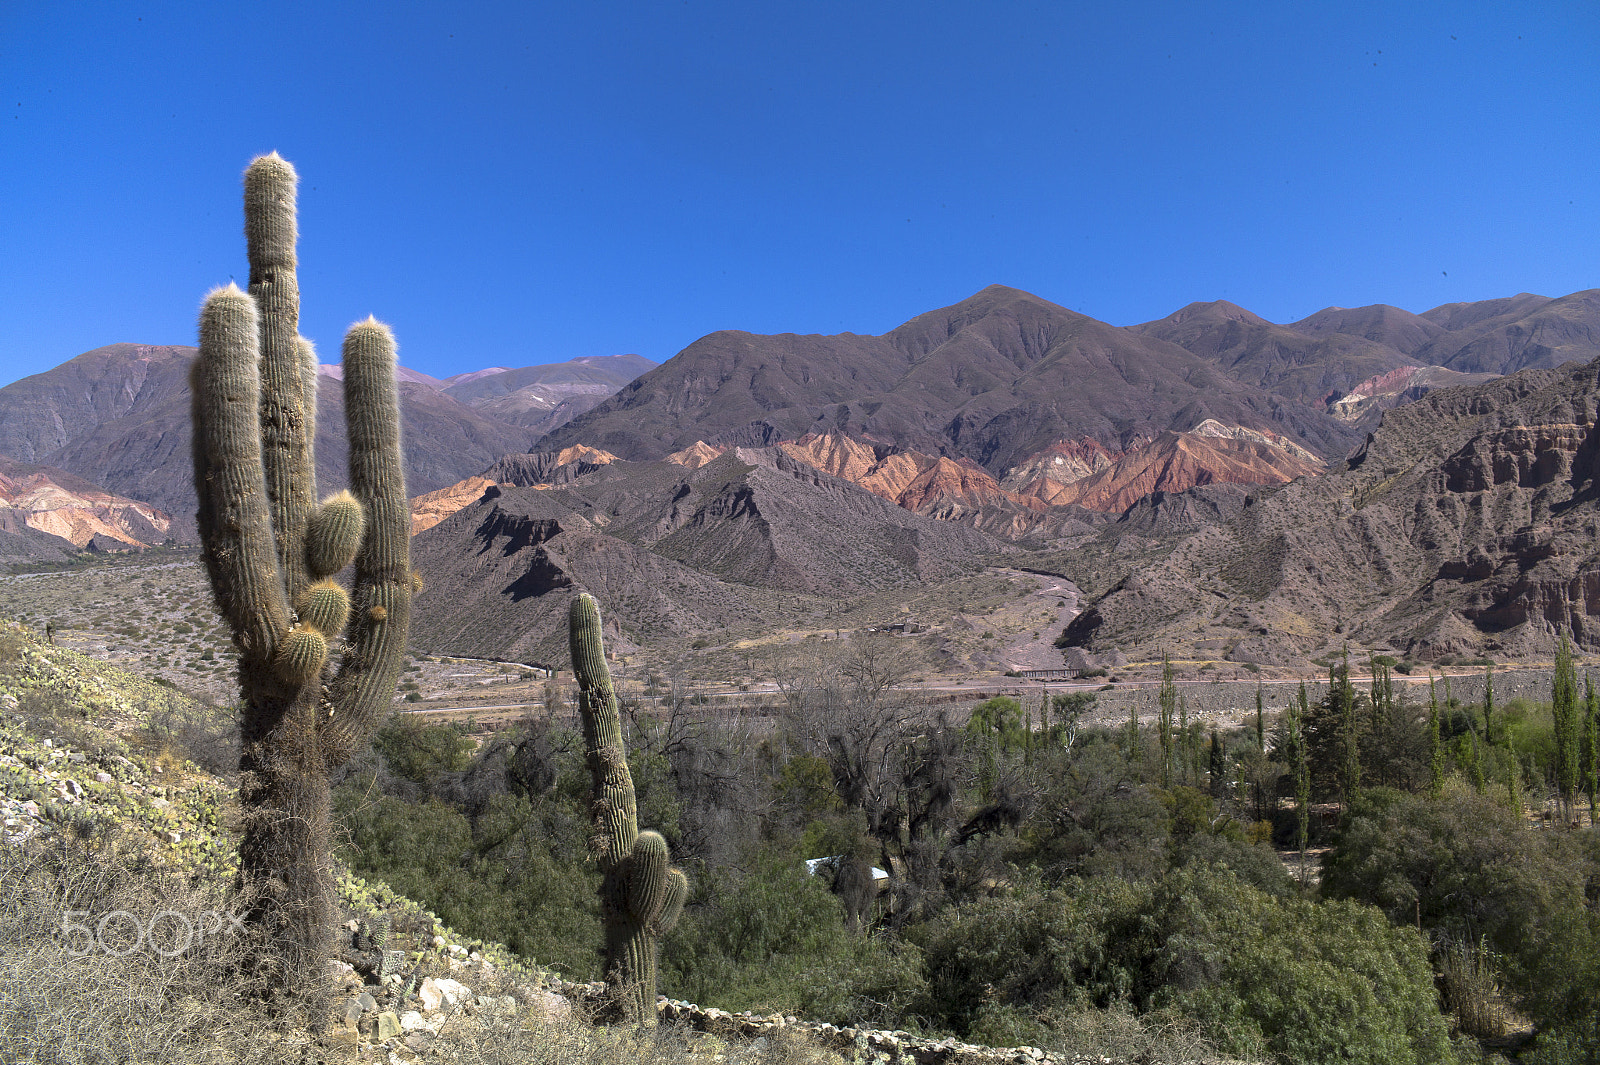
139 1007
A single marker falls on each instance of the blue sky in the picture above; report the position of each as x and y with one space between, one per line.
512 184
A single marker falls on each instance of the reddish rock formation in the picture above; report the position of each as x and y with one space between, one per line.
56 502
696 455
1176 462
431 508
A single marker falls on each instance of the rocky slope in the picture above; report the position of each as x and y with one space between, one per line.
1466 524
541 398
1364 404
994 379
57 503
669 551
118 416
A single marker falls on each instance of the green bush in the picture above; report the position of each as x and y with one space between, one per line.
422 753
1261 975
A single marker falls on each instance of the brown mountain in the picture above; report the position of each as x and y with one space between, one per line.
669 551
993 379
118 416
543 397
1364 404
1503 336
1465 525
1305 367
1380 323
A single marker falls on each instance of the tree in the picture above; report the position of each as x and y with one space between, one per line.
1435 748
1216 766
1349 732
271 550
1168 698
1591 742
1567 724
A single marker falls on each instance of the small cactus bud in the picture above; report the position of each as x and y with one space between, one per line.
334 534
378 614
301 654
416 582
324 606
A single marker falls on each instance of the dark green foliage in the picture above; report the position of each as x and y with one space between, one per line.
423 753
1467 866
1567 724
1264 975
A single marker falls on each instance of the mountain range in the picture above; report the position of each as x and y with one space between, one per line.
812 466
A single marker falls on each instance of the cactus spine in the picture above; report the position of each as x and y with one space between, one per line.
269 550
641 895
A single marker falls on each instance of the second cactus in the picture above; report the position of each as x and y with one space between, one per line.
641 895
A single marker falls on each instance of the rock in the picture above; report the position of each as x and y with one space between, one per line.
352 1013
368 1003
550 1008
411 1021
388 1026
103 777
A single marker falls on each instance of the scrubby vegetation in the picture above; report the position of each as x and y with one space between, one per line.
1011 876
1003 873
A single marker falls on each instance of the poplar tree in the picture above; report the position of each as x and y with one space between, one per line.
1591 742
1350 736
1488 704
1564 712
1302 773
1261 721
1169 699
1435 748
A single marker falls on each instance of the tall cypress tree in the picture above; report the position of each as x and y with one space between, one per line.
1488 704
1261 721
1186 741
1302 774
1349 735
1169 707
1217 766
1564 711
1591 742
1435 748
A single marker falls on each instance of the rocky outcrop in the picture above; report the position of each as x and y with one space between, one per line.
1364 403
1465 524
1176 462
695 455
56 502
540 468
430 508
1062 463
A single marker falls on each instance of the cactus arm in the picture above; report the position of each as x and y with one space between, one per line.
380 613
234 518
270 234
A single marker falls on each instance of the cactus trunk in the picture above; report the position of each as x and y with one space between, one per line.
270 550
641 895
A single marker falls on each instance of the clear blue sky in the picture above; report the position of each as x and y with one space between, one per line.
519 183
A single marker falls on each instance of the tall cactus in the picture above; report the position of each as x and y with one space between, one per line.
271 551
641 896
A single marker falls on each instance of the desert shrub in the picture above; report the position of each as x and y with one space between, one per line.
136 1007
774 939
422 753
1467 867
208 736
513 877
1260 976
